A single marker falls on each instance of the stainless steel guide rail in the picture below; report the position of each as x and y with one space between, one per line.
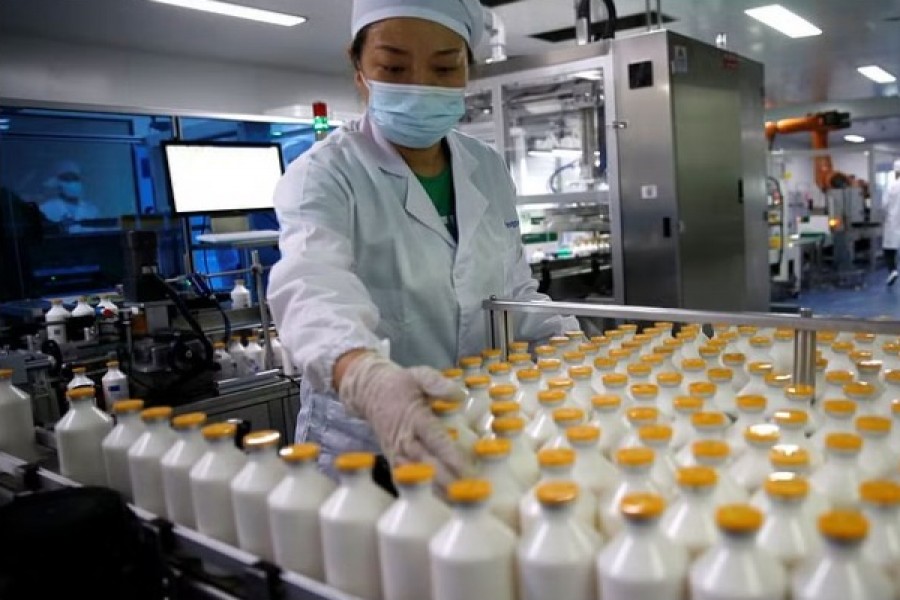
499 315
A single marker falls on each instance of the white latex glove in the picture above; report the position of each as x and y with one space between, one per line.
394 401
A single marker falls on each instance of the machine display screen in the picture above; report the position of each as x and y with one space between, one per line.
221 178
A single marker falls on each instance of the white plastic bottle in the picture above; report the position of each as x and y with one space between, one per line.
16 419
643 394
189 447
145 460
471 365
478 402
503 394
606 417
556 465
707 426
840 357
277 350
841 573
690 521
756 379
522 459
254 355
658 438
80 380
864 394
800 397
582 392
294 512
349 520
635 465
239 356
761 351
838 417
556 559
519 360
250 491
563 419
895 427
500 373
240 295
529 385
737 362
542 427
750 411
736 567
640 563
603 365
211 483
616 384
227 365
635 418
56 319
115 384
782 351
79 438
715 454
593 472
669 383
685 407
404 532
752 467
877 459
129 427
473 555
724 399
788 533
839 477
881 506
835 380
506 489
693 370
450 414
82 308
550 368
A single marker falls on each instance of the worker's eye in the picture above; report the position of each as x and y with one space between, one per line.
446 70
394 69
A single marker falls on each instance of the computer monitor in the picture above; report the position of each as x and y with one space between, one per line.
221 178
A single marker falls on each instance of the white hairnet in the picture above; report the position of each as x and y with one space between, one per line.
465 17
897 165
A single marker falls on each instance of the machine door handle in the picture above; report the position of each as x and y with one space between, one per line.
667 227
740 191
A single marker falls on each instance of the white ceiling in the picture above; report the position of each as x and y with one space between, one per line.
797 71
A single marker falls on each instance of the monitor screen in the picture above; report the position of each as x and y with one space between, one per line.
222 178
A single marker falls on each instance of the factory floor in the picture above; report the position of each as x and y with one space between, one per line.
872 299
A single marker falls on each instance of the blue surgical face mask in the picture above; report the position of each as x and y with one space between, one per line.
415 116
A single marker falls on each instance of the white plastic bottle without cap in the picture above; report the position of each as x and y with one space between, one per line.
593 472
79 438
669 384
737 362
563 419
788 533
522 459
144 460
250 491
881 506
685 407
16 419
294 512
500 373
404 532
529 385
502 403
556 558
603 365
839 477
491 356
349 520
472 365
82 308
240 295
56 319
227 366
750 411
541 428
115 384
506 489
189 447
478 402
837 417
605 416
841 573
635 466
707 426
635 418
690 522
640 563
658 438
254 355
735 567
556 466
129 427
876 460
472 555
239 356
211 483
80 380
756 379
582 392
723 399
715 454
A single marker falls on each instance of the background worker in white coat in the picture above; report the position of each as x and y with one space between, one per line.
397 227
891 204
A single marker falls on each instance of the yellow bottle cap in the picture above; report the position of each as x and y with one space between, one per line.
452 373
635 457
709 351
580 372
628 327
669 378
696 477
517 358
842 347
858 356
614 334
583 433
558 341
504 408
518 347
839 377
545 351
499 368
655 433
703 389
859 389
843 442
620 353
839 407
843 525
693 364
761 433
715 449
789 456
784 335
528 374
665 325
157 413
892 348
354 461
492 447
800 392
604 363
560 383
508 424
704 420
642 414
298 453
778 380
218 431
895 406
549 364
453 433
261 439
826 337
685 404
470 362
751 402
502 390
556 457
607 401
734 359
641 506
638 370
644 390
632 344
445 407
892 376
556 493
720 375
81 393
189 420
760 368
786 488
491 353
551 397
469 491
821 364
127 406
873 424
573 356
869 366
413 473
653 360
747 330
880 491
760 341
791 418
739 518
477 381
615 379
567 415
600 340
672 343
79 370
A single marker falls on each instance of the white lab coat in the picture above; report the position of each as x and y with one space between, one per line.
891 205
365 256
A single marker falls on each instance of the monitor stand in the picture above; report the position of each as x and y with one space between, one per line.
229 224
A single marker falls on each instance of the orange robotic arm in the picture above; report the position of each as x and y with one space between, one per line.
819 125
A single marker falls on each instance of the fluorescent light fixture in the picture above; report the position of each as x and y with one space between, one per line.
854 139
590 75
235 10
877 74
779 18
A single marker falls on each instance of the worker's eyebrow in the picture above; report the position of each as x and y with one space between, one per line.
391 49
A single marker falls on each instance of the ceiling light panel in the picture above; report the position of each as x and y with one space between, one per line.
781 19
238 11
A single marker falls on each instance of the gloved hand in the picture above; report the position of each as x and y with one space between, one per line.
394 401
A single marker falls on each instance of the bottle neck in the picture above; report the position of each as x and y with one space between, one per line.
558 513
843 460
495 466
267 455
549 474
843 551
641 527
157 425
190 434
356 480
635 475
416 492
786 507
740 542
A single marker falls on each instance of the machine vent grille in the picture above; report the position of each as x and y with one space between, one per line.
625 22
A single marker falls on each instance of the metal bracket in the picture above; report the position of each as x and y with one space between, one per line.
262 581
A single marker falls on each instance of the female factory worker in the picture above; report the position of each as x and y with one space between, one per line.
397 227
